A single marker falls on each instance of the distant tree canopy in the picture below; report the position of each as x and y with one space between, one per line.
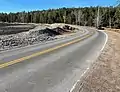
87 16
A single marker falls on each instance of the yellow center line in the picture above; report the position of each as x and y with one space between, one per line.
42 52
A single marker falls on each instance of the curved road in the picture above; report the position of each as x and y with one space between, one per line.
50 67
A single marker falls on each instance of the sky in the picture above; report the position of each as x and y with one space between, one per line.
30 5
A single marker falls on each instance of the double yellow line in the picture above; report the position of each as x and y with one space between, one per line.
42 52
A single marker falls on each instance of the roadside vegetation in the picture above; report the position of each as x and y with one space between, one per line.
104 74
10 28
87 16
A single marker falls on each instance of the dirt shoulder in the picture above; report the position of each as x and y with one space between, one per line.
104 75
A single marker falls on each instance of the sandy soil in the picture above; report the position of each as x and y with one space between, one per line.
104 74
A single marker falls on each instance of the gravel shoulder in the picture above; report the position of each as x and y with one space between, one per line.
104 74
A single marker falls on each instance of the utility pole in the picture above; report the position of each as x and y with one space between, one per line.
98 17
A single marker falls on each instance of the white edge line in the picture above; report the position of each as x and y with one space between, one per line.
74 86
78 81
88 67
105 41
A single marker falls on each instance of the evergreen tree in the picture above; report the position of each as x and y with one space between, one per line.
87 16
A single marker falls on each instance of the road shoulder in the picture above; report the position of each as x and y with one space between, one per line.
103 75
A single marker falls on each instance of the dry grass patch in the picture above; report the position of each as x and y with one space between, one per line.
104 75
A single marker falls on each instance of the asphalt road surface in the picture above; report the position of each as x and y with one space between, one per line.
50 67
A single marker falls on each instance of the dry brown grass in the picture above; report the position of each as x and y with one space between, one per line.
104 75
114 30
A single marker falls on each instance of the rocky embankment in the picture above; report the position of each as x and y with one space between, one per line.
37 34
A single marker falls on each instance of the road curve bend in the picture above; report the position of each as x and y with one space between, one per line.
50 67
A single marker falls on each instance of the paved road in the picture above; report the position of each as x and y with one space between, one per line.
53 67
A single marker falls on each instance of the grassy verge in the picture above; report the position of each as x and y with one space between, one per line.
104 75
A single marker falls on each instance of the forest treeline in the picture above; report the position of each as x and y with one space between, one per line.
87 16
